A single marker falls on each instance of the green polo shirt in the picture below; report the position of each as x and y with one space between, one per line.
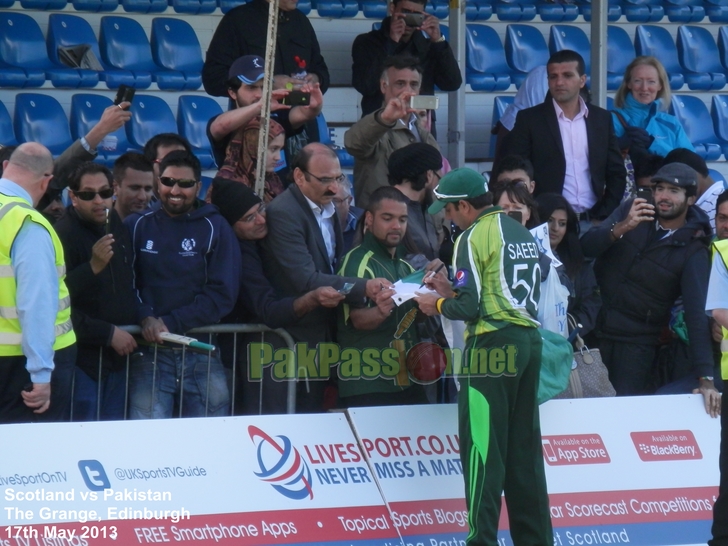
368 357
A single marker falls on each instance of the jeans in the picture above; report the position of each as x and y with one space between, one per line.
85 396
178 380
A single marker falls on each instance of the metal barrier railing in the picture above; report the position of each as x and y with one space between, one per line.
211 331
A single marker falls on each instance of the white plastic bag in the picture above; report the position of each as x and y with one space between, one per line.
553 304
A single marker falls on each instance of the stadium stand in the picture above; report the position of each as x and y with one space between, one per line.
40 118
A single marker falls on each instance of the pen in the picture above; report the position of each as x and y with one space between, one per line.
432 274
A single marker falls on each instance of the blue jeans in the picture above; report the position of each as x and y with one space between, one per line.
85 396
187 384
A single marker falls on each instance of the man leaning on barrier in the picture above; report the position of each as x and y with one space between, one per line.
258 300
187 274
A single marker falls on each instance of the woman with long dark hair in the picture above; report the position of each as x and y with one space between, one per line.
575 272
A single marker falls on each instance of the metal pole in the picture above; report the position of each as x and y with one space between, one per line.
270 62
456 99
600 8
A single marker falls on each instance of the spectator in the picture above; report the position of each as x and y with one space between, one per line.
424 42
99 277
187 275
647 257
575 272
303 248
499 430
133 184
374 137
347 213
258 301
378 323
158 147
415 171
647 168
515 199
572 147
721 216
513 169
641 100
37 343
243 31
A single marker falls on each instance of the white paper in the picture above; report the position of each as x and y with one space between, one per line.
405 291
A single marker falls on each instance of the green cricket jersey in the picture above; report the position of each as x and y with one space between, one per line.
497 277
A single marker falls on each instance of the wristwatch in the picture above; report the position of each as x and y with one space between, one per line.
440 39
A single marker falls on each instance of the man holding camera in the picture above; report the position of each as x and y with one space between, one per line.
374 137
408 30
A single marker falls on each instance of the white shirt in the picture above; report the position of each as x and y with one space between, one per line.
708 199
577 180
325 219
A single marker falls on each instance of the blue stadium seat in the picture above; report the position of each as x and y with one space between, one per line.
304 6
610 103
40 118
330 8
684 11
719 113
7 134
86 111
723 46
206 183
373 9
478 10
194 6
193 114
695 119
144 6
150 115
6 3
656 41
614 10
699 57
486 67
515 10
46 5
346 160
438 8
22 45
557 12
525 50
643 11
716 10
620 52
499 107
227 5
95 5
175 47
70 30
571 37
718 177
124 45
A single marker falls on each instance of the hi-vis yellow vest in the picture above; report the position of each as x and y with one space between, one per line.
13 212
720 249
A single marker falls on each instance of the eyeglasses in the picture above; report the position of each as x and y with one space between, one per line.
108 193
183 183
327 180
250 218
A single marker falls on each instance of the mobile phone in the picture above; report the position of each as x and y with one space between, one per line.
107 227
297 98
414 19
124 94
346 289
517 215
646 194
424 102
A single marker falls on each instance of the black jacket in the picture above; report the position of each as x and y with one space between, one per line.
242 31
98 302
641 276
536 136
371 49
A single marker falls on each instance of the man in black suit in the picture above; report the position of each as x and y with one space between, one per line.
302 251
572 146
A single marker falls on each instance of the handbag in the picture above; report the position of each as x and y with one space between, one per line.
589 377
631 186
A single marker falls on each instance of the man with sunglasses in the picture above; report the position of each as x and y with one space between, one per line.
258 301
187 275
100 282
37 342
303 248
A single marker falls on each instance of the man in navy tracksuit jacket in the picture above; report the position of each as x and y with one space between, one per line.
187 275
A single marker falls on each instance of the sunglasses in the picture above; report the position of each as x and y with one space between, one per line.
183 183
108 193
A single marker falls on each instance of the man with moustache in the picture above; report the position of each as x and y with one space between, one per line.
133 183
648 256
303 250
100 282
